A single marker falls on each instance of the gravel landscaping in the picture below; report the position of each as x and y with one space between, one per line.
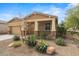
68 50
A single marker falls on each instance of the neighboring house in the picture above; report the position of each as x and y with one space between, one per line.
36 23
3 27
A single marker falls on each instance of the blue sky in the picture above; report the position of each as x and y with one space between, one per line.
10 10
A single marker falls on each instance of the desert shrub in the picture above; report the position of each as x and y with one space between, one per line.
16 38
61 31
31 40
42 46
17 44
60 41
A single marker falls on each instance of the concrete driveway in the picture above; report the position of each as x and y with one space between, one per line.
5 37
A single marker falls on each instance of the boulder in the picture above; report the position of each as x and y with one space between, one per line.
50 50
11 44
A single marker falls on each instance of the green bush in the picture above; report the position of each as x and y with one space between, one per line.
42 46
31 40
61 31
17 44
60 41
16 38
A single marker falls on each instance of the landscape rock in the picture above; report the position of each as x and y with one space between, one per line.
50 50
11 44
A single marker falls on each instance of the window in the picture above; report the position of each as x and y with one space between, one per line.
47 26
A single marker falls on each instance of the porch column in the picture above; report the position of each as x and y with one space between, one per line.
53 29
36 28
53 26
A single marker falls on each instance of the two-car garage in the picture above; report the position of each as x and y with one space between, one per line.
15 30
14 26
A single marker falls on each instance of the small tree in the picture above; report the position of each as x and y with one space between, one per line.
61 30
60 41
72 18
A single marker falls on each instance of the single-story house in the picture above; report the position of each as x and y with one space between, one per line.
3 27
35 23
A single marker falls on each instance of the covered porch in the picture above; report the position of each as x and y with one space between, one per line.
42 29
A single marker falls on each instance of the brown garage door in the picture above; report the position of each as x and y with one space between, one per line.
16 30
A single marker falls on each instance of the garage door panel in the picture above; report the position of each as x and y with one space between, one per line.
16 30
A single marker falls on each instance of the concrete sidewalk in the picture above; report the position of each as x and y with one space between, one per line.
6 36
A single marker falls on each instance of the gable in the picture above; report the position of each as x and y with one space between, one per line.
14 22
37 16
16 19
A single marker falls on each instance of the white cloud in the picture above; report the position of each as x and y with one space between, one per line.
71 5
74 4
58 12
6 16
